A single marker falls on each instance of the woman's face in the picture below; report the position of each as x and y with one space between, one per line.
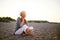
23 15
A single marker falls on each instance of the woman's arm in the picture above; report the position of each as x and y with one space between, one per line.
22 23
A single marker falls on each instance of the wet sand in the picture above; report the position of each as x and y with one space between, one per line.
45 31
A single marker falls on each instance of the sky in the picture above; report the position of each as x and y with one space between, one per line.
35 9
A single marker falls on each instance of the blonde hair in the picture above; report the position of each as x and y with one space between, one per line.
22 12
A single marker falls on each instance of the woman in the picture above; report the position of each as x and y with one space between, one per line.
22 25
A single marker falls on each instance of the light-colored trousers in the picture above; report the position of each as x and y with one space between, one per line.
23 28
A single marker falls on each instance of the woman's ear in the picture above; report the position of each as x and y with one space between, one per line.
20 14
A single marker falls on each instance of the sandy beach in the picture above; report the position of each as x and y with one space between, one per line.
45 31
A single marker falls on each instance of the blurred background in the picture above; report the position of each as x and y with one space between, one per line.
35 9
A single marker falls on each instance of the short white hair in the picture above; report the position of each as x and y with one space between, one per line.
22 12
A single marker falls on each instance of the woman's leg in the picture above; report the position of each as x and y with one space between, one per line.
20 30
29 32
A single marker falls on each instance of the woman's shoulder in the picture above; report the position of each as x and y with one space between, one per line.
18 18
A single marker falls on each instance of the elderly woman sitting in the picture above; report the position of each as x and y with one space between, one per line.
22 25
